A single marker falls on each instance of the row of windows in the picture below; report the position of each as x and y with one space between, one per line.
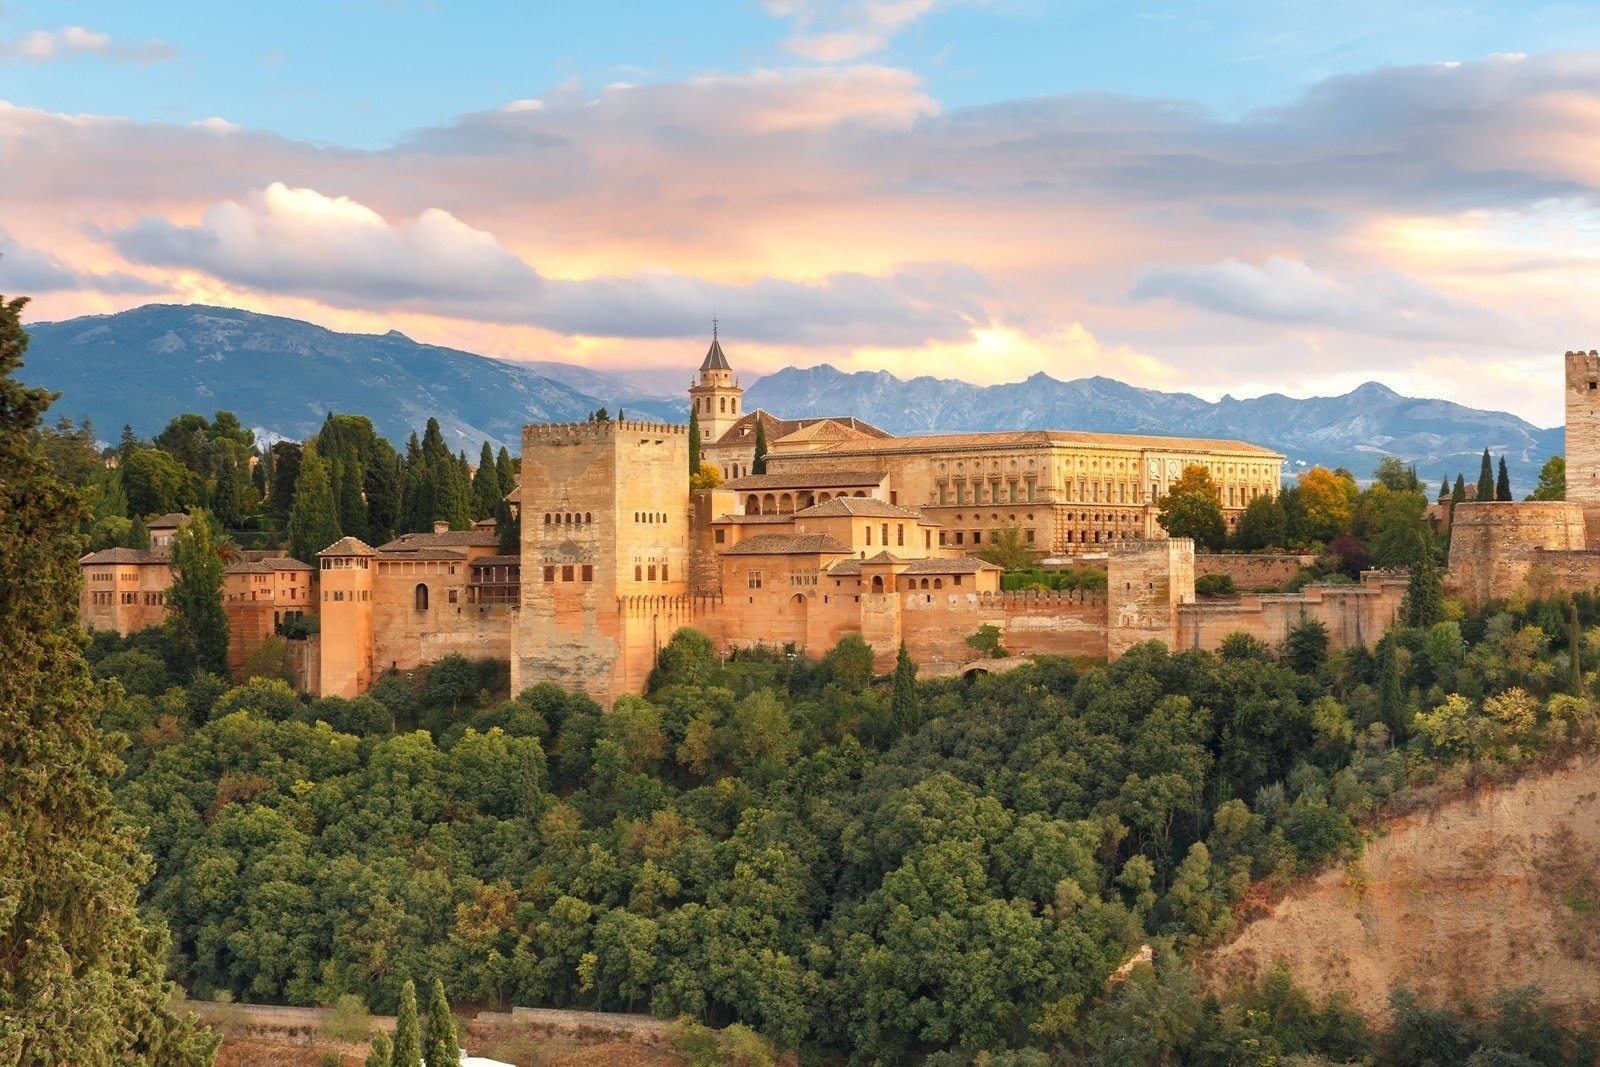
415 566
957 493
570 573
338 595
650 516
959 537
571 518
899 535
640 572
725 405
107 597
345 563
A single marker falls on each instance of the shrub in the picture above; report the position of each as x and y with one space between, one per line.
1214 585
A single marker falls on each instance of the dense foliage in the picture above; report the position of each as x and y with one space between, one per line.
882 869
81 974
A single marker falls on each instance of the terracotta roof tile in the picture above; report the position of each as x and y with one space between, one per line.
744 431
864 506
950 442
789 545
170 521
124 555
410 542
348 546
806 480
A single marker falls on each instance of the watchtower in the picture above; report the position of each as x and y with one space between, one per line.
605 538
717 395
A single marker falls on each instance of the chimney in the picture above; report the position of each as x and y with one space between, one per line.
441 526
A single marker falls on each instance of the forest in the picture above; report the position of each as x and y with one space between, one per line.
864 869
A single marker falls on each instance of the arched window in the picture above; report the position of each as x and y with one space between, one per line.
938 583
588 517
422 597
877 583
722 404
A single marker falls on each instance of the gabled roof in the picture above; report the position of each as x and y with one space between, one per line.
744 431
955 442
124 555
715 360
861 506
348 546
170 521
806 480
882 557
285 563
756 520
949 565
413 542
247 567
789 545
497 561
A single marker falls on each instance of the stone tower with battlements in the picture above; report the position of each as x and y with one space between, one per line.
605 553
1583 436
717 395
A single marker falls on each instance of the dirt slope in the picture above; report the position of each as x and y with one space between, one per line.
1495 891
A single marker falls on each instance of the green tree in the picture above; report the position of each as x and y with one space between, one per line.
1502 485
1424 603
157 484
286 459
694 439
759 464
1306 646
439 1045
382 485
345 479
1263 525
1458 493
903 706
486 487
1006 549
1396 475
506 468
197 616
407 1029
381 1052
314 519
986 640
82 978
1486 478
1552 480
1198 516
233 498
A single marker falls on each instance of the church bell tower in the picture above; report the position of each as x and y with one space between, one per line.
716 398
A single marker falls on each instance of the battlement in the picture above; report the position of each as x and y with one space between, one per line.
580 432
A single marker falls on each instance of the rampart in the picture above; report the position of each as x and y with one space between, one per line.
1252 573
1494 544
1354 614
936 625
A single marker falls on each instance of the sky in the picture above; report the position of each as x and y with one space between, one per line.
1220 197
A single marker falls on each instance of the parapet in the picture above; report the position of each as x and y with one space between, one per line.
572 432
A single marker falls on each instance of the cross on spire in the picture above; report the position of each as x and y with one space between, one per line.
713 329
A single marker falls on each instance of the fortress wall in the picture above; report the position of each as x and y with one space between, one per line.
1146 582
1354 615
249 624
305 664
936 625
1573 571
1255 572
1493 544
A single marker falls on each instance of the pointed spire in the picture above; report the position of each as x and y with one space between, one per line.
715 360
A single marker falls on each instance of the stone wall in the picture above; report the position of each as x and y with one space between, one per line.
1493 544
250 622
1254 572
1353 614
1146 581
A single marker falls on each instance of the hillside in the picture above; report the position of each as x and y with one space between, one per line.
1352 430
143 366
1492 892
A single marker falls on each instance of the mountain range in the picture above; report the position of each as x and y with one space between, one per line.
281 376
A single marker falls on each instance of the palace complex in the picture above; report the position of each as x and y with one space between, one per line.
848 530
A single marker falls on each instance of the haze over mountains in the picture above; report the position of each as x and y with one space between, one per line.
281 375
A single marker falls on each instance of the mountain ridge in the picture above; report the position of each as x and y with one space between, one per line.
281 375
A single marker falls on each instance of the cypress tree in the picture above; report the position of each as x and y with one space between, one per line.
233 497
694 438
1486 478
1424 604
407 1031
416 508
352 506
381 1052
506 468
382 485
486 488
286 459
1458 495
903 706
459 510
314 520
439 1046
198 618
759 464
82 978
1502 485
1444 489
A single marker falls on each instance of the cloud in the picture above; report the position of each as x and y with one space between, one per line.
836 31
1288 292
301 242
24 270
44 46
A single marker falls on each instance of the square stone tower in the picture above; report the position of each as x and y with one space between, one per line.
1583 438
605 539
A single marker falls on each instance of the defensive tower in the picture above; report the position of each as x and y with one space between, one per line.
1583 436
344 579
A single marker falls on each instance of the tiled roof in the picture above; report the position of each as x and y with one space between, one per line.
846 568
247 567
124 555
285 563
515 496
497 561
744 431
170 521
715 360
756 520
789 545
806 480
951 442
865 506
348 546
424 552
949 565
411 542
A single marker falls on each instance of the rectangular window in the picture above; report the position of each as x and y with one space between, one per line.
721 536
958 579
588 572
652 572
566 573
885 535
869 534
1027 535
927 538
638 573
894 497
900 533
663 572
452 597
753 580
549 574
958 537
944 494
977 537
338 594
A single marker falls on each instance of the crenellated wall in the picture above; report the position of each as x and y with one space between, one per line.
1354 614
1493 544
1253 572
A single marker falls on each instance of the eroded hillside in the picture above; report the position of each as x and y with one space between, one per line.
1495 891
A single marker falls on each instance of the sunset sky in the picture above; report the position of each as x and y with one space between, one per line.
1222 197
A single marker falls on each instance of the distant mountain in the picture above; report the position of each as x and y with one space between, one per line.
1353 430
282 376
143 366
